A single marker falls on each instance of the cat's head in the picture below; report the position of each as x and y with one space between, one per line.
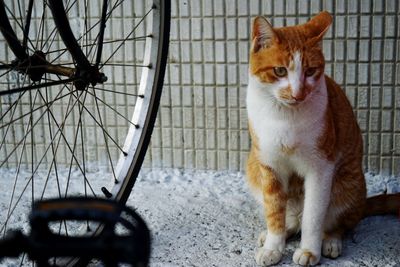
288 61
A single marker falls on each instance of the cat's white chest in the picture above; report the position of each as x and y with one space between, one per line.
286 148
281 142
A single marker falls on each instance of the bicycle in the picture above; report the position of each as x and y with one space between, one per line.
63 90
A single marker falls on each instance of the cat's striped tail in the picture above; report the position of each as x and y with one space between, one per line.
383 204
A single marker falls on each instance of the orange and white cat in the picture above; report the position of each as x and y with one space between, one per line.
305 159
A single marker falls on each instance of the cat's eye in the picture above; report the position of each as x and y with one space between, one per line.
280 71
310 71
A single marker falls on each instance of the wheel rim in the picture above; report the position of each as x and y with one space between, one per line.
52 127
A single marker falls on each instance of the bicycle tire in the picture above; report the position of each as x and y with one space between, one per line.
147 96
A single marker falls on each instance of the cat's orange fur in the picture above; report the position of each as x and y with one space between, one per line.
340 141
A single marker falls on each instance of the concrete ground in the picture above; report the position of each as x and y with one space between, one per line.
210 219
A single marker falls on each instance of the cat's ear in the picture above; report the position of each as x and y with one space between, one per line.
262 34
318 26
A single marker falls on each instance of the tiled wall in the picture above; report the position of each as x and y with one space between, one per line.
202 121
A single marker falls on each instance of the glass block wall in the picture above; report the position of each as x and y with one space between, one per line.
202 122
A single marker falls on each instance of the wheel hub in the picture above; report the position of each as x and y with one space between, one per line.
86 77
36 66
33 65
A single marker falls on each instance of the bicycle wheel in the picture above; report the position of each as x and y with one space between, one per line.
60 136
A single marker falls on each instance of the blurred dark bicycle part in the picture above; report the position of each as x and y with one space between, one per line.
124 237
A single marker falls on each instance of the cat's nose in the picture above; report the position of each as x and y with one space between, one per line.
298 94
299 97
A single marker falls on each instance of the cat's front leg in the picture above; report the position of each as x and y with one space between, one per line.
274 201
317 187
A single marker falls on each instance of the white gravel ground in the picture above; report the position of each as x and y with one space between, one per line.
202 218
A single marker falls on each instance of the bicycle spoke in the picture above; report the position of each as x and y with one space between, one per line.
36 109
127 65
22 260
32 147
21 16
113 109
27 25
40 31
104 42
45 15
105 139
14 185
28 126
13 112
53 150
37 121
104 130
80 105
8 126
83 154
112 91
7 130
85 40
123 42
116 92
8 71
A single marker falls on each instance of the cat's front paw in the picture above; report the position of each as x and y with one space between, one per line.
332 247
266 257
305 257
